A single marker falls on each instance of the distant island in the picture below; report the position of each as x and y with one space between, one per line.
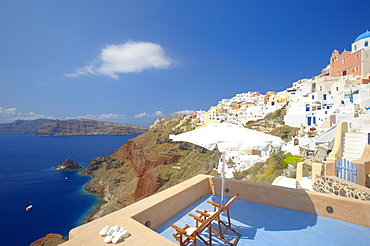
47 127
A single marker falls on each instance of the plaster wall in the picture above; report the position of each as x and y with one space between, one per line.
295 119
366 63
346 64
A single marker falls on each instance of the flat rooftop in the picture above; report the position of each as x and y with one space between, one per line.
261 224
263 214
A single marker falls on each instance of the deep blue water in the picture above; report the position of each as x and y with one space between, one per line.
58 199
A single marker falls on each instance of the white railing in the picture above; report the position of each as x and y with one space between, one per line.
346 170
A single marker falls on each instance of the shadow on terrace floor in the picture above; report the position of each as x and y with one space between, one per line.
267 225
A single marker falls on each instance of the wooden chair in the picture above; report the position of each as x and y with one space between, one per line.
218 209
184 235
203 221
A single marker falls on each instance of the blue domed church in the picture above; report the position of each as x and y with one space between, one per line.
356 61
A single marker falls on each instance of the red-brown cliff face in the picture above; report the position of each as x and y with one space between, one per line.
146 164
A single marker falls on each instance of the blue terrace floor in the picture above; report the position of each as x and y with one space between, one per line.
261 224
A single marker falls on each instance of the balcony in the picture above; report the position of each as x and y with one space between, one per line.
263 214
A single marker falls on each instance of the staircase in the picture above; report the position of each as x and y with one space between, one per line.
355 142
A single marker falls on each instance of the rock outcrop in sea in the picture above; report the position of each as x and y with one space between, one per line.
68 165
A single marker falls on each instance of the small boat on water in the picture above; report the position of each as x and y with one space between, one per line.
29 207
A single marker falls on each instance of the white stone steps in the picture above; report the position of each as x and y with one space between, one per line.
354 144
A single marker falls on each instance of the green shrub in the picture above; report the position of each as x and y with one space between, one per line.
286 129
274 115
277 113
168 175
291 159
269 116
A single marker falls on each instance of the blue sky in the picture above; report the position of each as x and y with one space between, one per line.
135 61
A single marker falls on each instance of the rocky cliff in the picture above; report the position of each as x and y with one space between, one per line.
45 127
147 164
87 127
23 126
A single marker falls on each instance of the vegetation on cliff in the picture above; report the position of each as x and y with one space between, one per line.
263 172
274 124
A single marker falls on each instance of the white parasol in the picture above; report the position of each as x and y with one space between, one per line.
228 137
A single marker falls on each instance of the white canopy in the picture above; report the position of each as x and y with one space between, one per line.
228 137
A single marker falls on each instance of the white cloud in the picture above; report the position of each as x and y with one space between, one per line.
141 115
186 112
8 112
42 83
130 57
12 114
101 117
156 114
89 69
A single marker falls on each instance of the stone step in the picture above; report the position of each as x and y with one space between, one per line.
351 143
354 144
350 153
355 135
356 149
357 145
352 157
355 139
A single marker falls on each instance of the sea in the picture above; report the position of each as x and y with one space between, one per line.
27 177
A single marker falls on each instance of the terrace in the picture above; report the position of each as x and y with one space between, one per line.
263 214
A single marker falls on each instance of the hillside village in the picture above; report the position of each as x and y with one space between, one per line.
341 92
